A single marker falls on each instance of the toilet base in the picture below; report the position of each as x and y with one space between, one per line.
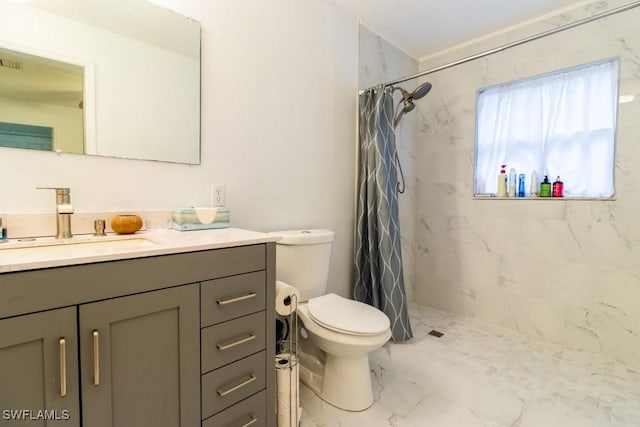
345 381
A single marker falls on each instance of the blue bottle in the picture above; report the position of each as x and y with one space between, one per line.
521 185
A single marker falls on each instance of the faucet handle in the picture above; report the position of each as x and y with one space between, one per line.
61 191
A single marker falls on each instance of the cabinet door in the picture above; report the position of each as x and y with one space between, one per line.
39 369
140 360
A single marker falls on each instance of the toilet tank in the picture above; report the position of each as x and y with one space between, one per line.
302 260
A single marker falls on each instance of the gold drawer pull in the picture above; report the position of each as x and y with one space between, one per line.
96 358
63 367
223 393
254 420
223 347
236 299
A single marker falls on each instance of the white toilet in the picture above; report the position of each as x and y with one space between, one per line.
335 334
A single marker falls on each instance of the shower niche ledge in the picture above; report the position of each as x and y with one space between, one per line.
545 199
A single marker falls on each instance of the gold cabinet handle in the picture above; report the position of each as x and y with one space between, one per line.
254 420
223 347
63 367
236 299
96 358
252 378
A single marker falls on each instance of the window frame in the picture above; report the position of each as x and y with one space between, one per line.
614 61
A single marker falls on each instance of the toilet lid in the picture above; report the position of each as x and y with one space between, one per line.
347 316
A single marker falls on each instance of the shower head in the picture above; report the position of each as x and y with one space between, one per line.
408 98
408 106
421 91
418 93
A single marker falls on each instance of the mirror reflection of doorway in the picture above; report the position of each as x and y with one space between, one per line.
38 92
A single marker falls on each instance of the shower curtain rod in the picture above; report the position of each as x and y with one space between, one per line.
512 44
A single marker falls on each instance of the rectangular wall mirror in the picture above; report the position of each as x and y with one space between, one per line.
116 78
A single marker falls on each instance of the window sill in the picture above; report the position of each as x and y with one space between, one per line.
558 199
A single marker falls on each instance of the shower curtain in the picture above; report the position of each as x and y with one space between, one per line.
378 258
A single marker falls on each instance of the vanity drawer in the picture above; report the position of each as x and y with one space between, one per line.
229 341
228 385
242 414
232 297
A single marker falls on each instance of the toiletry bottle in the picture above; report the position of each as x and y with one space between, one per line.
558 188
534 184
545 187
3 229
502 182
512 183
521 185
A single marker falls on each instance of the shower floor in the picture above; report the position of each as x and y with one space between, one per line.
483 375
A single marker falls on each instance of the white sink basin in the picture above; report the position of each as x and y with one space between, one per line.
49 246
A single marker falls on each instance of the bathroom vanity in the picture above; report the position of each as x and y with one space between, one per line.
179 332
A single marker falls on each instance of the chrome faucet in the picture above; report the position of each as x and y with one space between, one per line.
64 209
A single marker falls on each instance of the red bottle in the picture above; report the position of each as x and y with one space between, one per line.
558 188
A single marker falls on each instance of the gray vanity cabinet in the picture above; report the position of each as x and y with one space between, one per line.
139 358
233 357
131 334
38 369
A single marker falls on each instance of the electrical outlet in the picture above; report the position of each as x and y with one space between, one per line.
217 195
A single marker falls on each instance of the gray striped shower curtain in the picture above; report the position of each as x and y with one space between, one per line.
378 257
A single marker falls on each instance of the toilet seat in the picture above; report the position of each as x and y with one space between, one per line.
347 316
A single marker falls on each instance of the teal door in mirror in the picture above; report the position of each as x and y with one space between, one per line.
26 136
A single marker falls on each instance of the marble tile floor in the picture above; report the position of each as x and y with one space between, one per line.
483 375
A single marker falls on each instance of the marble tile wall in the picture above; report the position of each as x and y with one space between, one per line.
562 270
380 61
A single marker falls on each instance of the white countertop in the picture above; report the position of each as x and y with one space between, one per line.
85 249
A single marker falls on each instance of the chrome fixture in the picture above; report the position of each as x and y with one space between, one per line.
99 226
408 98
64 209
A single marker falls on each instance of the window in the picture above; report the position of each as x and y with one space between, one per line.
559 124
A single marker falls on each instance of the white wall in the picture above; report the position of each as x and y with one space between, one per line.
380 61
565 271
279 93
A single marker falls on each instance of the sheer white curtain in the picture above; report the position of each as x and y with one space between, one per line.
561 124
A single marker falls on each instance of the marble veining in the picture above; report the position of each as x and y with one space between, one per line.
565 271
479 374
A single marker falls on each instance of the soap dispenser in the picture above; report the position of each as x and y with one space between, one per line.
558 188
502 182
545 187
